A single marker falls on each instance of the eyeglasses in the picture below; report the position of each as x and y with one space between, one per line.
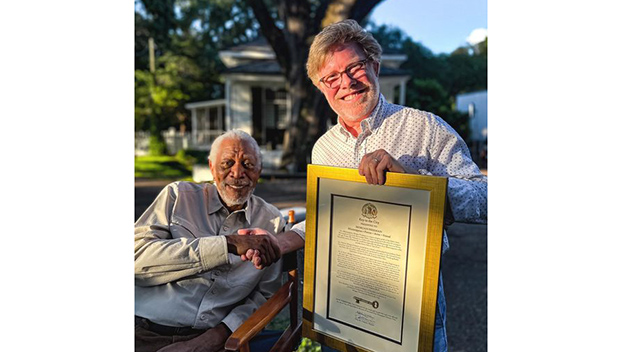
355 70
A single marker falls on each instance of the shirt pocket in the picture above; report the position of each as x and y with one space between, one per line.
181 228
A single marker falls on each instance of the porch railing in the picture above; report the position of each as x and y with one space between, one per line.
176 141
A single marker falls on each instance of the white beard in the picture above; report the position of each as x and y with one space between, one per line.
230 201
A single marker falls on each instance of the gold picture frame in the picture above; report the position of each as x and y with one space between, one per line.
394 238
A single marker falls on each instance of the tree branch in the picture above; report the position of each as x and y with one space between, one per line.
320 13
273 34
295 16
339 10
361 9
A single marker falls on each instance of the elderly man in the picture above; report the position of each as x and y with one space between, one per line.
192 290
376 136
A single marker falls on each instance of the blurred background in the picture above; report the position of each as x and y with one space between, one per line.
203 67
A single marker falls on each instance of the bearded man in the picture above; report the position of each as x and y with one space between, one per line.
191 288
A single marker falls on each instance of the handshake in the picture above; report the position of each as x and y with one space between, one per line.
255 245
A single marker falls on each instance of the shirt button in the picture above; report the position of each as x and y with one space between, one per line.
214 292
225 228
216 273
202 316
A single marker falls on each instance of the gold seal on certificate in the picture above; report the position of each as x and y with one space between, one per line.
369 211
372 258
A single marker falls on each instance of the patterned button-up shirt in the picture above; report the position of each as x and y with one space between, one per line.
423 143
184 274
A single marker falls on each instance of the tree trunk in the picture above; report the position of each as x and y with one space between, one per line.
309 109
312 113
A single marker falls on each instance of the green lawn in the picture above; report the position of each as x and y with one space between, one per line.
158 167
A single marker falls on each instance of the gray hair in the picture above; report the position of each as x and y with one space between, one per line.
346 31
237 135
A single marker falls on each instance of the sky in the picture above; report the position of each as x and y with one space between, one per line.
440 25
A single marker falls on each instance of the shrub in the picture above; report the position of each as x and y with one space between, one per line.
156 146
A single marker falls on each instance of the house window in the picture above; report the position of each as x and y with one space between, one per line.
270 116
210 123
276 109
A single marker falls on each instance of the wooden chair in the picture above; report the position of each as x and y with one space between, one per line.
287 294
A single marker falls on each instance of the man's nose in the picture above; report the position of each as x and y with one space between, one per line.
237 171
346 81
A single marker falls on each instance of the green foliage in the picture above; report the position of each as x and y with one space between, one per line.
188 35
309 346
198 156
185 157
391 39
155 19
159 96
465 70
157 146
466 73
429 95
437 79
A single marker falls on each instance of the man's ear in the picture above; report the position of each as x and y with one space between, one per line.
316 84
209 162
376 66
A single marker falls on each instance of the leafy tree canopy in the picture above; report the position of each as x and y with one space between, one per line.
188 34
437 79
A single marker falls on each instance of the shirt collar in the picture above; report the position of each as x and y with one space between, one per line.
369 124
214 203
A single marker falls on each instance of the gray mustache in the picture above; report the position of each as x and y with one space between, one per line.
243 183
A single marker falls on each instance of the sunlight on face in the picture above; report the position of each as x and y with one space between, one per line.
236 171
355 98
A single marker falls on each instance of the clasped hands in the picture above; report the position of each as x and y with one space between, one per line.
262 249
373 166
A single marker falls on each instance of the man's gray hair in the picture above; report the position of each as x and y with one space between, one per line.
237 135
346 31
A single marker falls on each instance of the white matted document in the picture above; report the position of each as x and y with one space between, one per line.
372 260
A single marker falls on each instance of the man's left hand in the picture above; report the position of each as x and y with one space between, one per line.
266 247
374 165
254 255
212 340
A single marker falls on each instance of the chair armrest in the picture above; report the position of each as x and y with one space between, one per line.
258 320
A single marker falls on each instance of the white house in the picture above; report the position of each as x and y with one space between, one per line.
256 99
476 105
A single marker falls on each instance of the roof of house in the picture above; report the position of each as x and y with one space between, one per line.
271 67
260 44
257 57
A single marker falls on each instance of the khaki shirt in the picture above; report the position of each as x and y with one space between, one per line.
184 275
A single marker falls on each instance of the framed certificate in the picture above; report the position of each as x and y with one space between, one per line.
372 257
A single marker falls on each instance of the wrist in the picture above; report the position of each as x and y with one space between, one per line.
289 242
224 329
231 248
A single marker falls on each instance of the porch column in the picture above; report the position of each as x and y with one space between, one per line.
228 104
403 92
195 126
